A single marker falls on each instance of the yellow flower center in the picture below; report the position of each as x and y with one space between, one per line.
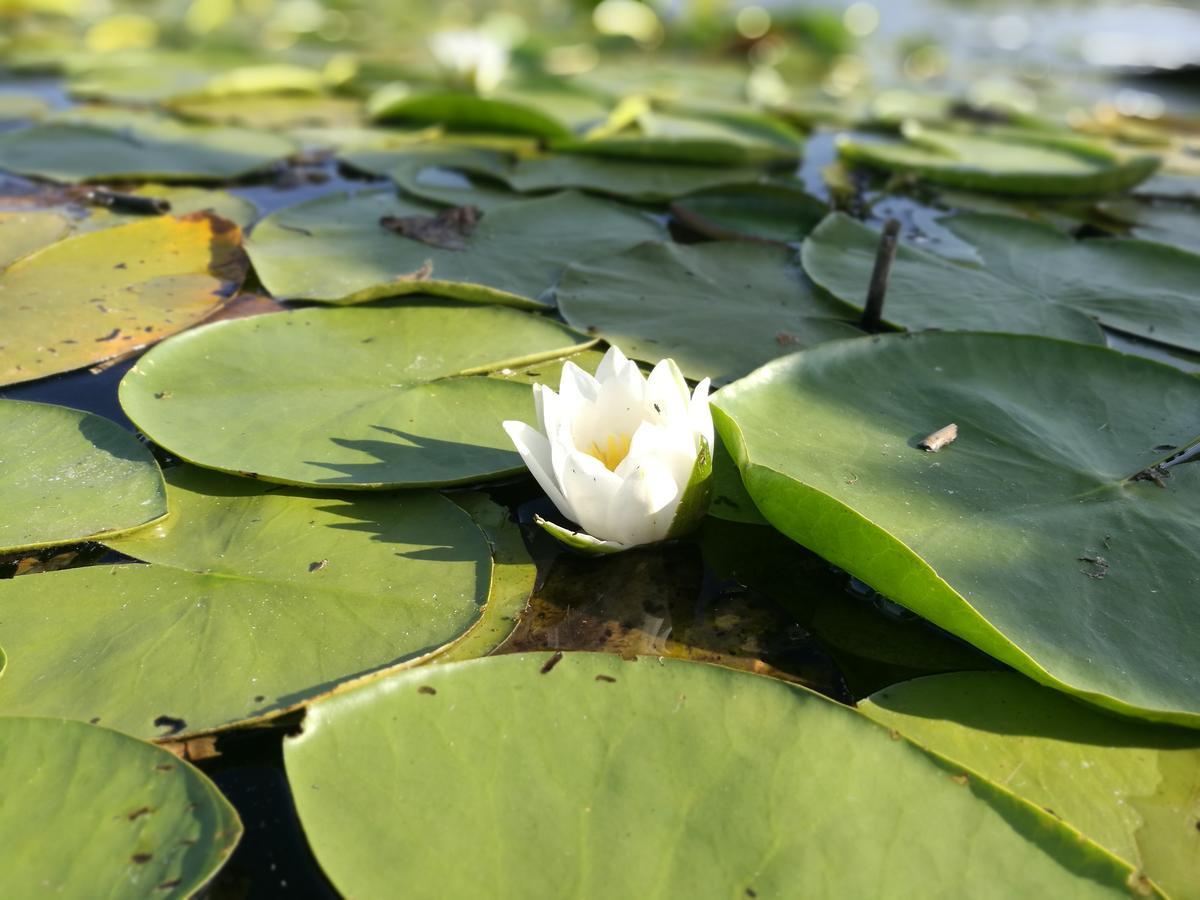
615 449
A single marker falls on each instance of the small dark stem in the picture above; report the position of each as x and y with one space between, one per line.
872 316
128 203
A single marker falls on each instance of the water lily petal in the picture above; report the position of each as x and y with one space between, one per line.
666 395
617 411
643 509
611 363
588 485
700 413
535 453
576 386
673 446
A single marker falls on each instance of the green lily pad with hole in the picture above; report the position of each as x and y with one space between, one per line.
95 296
1048 534
1033 279
127 819
69 476
256 598
1004 160
21 233
385 395
122 145
776 211
703 782
421 171
1132 789
337 249
686 302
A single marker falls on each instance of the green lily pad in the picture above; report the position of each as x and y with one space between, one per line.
1002 159
541 112
70 476
128 819
255 600
1176 224
513 576
95 296
1041 535
335 249
273 112
718 309
21 233
547 764
767 212
1033 279
125 145
705 138
418 171
386 395
1130 788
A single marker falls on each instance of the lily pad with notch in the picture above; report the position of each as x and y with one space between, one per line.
590 743
664 299
1032 279
255 599
382 395
1052 534
351 248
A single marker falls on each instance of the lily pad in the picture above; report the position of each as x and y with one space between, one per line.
1131 789
272 112
718 309
1033 280
104 146
1176 224
183 201
21 233
337 250
460 111
777 800
706 138
95 296
1003 160
255 600
418 172
1047 534
766 212
70 476
128 819
386 395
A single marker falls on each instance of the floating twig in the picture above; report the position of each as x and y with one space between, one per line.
939 439
135 204
872 316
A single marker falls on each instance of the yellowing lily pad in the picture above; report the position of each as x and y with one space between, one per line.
95 296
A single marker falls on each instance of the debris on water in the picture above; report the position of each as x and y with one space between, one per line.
448 230
939 439
1097 566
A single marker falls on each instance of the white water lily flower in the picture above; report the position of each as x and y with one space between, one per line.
472 59
627 457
